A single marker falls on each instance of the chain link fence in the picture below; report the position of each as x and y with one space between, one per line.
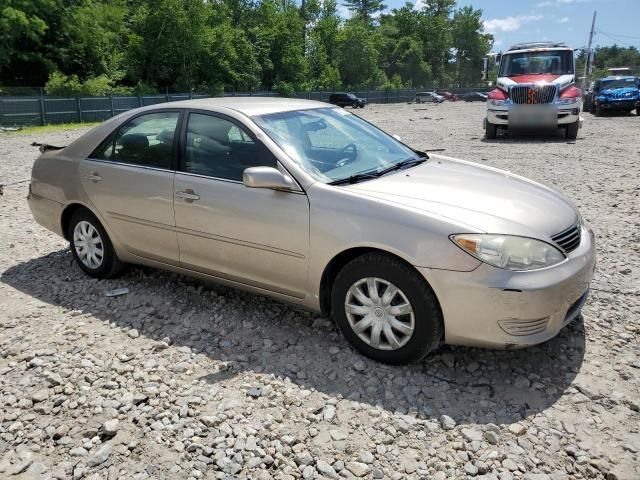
43 110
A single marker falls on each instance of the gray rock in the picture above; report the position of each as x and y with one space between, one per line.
109 428
470 469
100 456
509 464
491 437
329 413
447 422
517 429
133 333
40 395
325 469
359 469
472 435
366 457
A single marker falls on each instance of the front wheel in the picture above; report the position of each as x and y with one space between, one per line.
572 130
599 110
638 112
91 247
491 130
386 310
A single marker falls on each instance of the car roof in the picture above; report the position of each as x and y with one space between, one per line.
247 105
619 77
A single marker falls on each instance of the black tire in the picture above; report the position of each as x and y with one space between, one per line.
572 130
418 100
110 266
599 110
638 112
355 105
491 130
428 330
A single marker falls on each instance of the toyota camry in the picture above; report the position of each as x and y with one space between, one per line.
312 205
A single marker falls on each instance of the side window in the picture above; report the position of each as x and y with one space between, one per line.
146 140
216 147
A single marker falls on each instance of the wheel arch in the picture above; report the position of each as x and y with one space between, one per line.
68 212
340 260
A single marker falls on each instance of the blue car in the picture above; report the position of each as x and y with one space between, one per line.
616 94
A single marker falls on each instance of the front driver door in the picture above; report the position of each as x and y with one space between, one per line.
257 237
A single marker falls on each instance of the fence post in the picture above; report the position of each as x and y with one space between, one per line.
43 120
79 109
113 111
140 100
166 95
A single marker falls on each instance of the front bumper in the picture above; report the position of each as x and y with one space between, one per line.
622 104
566 114
495 308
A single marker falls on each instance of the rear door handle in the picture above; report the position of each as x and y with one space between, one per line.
189 195
93 176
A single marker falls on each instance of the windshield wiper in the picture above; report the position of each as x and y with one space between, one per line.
355 178
410 162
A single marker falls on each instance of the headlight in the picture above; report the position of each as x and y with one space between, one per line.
568 100
508 251
497 102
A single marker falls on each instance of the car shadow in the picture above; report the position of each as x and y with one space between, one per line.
530 137
250 333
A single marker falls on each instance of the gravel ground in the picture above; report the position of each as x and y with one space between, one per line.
183 379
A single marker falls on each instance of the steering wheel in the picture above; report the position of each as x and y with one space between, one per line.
349 153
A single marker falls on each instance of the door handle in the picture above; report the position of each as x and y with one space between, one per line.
189 195
93 176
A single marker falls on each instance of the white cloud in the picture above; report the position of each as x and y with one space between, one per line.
509 24
563 20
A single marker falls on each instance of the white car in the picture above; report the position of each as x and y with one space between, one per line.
428 97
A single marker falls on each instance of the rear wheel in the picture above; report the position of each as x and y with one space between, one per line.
572 130
491 130
386 310
91 247
638 112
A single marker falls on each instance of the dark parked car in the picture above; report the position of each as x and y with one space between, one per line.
475 97
452 97
347 99
587 98
615 94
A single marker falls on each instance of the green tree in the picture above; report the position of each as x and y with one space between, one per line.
358 56
471 45
364 9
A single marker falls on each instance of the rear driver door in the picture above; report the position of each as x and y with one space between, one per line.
129 180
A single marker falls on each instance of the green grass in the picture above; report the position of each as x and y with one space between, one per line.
55 127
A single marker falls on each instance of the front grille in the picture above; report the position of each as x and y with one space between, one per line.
524 327
568 239
532 94
623 95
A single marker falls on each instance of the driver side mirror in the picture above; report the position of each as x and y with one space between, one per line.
266 177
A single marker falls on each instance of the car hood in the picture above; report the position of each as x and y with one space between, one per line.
475 196
618 90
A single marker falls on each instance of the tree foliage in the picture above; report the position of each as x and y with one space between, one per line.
81 46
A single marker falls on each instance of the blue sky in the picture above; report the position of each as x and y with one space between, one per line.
569 21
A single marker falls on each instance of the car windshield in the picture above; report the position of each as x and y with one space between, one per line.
559 62
619 83
332 145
